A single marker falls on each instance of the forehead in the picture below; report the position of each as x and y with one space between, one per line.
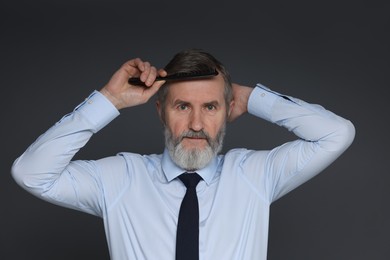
202 90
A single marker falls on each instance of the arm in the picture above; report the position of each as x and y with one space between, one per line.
45 169
322 137
240 97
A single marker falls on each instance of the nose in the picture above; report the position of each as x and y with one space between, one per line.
196 121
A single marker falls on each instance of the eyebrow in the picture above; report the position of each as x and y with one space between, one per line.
180 102
214 103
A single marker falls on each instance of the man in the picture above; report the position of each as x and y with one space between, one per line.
139 196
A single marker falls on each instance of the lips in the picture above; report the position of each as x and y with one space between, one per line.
195 138
195 141
192 135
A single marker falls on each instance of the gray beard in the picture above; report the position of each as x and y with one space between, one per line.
193 159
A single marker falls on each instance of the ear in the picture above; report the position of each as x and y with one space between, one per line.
160 111
231 107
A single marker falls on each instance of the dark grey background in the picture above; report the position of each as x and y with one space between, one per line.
335 53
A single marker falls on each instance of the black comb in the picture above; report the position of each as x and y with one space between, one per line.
179 76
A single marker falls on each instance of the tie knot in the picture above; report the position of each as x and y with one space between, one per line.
190 180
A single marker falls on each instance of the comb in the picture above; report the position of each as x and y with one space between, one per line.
179 76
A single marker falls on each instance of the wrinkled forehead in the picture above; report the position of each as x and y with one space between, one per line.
203 89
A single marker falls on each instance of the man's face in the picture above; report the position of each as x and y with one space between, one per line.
195 114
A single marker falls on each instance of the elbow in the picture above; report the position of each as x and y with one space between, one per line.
22 171
18 173
31 178
349 132
344 136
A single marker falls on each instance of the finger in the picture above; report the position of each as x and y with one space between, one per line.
151 77
133 67
162 73
155 87
145 71
138 63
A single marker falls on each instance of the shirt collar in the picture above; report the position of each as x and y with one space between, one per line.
171 170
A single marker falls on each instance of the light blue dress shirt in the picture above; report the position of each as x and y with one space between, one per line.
138 196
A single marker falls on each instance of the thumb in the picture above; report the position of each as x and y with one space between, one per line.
155 87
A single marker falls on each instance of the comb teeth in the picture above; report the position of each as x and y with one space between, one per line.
179 76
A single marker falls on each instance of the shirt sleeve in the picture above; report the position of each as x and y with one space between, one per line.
45 168
322 137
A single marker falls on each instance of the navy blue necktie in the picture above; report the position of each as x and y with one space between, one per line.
187 240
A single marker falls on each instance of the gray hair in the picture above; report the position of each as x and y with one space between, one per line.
195 60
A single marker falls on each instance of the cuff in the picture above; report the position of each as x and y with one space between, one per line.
261 101
98 110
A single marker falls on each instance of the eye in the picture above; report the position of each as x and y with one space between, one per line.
210 107
183 107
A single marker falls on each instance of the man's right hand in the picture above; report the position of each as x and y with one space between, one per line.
122 94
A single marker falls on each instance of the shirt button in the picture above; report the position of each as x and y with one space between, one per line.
262 95
90 102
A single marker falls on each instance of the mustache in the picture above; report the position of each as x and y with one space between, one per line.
195 134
